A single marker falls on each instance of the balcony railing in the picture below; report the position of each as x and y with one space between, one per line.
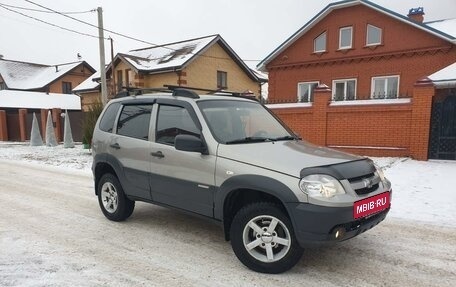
341 99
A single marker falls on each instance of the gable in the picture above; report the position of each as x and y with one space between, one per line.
397 37
351 5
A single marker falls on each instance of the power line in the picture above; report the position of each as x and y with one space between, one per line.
92 25
45 11
123 35
48 23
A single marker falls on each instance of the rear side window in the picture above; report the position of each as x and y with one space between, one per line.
173 121
107 121
134 121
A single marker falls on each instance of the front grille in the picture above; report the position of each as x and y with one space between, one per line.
365 184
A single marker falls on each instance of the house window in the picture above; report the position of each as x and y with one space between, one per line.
305 91
320 43
374 35
127 77
345 37
119 80
222 80
344 90
385 87
66 87
2 86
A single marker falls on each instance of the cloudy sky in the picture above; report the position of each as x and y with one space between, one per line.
253 28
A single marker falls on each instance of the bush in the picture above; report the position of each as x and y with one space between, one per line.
90 119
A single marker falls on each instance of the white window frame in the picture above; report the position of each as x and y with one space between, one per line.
351 37
386 85
367 35
315 42
310 92
334 82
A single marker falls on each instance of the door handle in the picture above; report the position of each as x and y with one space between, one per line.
115 145
158 154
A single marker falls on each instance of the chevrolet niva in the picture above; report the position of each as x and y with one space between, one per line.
232 160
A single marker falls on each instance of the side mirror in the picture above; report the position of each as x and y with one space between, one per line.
189 143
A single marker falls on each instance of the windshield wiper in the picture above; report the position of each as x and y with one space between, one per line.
284 138
248 140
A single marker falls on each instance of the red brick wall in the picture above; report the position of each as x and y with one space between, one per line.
400 129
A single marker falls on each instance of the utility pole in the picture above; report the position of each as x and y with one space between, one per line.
104 87
114 87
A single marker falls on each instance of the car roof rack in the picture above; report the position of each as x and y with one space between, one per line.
179 91
218 92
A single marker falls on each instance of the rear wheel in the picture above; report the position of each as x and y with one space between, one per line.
111 197
263 238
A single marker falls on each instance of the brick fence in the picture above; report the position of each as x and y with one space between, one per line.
398 127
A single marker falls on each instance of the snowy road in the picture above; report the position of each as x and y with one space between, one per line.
52 233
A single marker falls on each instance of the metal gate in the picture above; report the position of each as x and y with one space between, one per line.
443 129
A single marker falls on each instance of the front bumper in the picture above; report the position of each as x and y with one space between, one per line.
317 225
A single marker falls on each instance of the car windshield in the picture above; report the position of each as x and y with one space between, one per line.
235 122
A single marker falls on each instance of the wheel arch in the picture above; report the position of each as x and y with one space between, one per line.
242 190
105 164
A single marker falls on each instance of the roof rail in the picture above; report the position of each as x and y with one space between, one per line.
179 91
212 92
130 91
185 93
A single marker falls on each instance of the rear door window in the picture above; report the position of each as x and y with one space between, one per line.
134 121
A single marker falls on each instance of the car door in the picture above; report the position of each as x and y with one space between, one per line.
131 147
180 179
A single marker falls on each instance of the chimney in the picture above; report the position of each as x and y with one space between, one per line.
416 14
56 68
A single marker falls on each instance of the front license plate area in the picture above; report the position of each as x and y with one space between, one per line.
371 205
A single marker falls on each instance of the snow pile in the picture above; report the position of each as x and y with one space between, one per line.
422 191
73 158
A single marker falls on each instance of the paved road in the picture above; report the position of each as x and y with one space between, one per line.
52 233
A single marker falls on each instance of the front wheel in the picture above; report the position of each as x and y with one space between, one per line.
111 197
263 238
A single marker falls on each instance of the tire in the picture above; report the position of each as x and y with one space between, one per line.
263 239
112 200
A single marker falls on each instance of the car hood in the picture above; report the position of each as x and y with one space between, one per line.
288 157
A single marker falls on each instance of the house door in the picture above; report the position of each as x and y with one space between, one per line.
443 128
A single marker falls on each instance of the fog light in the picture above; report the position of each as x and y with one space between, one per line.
339 233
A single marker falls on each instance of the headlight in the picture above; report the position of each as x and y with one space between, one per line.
321 185
380 173
384 180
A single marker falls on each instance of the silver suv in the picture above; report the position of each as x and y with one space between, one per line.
230 159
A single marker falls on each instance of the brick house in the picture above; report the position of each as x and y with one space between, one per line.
365 79
206 62
27 88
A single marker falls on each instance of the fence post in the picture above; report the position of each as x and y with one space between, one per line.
322 97
56 118
423 93
23 124
3 126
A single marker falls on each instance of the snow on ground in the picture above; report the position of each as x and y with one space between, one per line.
423 191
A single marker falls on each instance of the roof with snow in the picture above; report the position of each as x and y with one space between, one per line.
445 78
444 29
29 76
90 84
176 56
38 100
